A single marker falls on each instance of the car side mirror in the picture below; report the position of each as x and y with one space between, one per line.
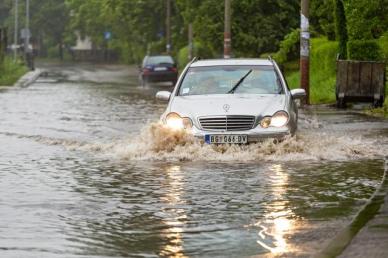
163 95
298 93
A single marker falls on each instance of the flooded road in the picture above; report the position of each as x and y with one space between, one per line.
87 172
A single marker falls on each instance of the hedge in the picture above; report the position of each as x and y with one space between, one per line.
364 50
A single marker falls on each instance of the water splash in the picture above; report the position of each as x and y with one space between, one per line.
158 142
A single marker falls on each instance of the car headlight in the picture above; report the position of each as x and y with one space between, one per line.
279 119
175 121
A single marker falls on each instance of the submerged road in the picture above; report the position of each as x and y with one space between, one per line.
87 172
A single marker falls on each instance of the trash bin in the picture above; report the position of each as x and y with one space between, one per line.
360 81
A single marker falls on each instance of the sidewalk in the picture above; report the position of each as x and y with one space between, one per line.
28 78
367 234
372 239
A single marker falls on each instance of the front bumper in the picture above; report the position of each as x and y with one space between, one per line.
256 134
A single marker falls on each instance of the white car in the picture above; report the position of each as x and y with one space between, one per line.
232 101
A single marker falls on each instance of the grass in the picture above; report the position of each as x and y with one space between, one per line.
10 72
383 111
322 71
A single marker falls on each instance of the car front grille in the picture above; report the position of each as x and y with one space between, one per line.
227 123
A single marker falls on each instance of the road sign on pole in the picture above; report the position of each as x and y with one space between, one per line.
25 33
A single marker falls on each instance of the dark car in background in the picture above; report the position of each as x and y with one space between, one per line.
158 68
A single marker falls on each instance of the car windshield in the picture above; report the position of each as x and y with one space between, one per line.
222 79
158 60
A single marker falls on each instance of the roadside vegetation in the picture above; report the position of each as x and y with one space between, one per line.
10 72
352 29
348 29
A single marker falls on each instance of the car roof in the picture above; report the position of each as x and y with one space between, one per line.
231 61
158 56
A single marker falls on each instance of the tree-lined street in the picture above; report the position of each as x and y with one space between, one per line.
79 179
91 167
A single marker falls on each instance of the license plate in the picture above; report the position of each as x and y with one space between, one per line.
160 68
225 138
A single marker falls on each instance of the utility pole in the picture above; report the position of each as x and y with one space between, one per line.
15 38
227 34
168 27
305 49
191 46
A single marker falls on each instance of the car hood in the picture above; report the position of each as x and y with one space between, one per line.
228 104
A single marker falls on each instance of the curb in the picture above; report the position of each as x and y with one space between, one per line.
368 212
29 78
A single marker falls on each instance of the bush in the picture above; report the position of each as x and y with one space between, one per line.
383 43
366 19
364 50
10 71
199 50
322 71
289 47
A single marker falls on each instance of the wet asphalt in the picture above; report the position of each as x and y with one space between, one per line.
83 174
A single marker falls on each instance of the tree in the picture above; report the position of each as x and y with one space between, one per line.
322 18
257 25
341 28
366 19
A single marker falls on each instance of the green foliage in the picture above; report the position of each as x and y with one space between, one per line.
136 26
199 50
322 19
10 72
366 19
322 71
341 28
289 47
364 50
257 26
383 43
48 21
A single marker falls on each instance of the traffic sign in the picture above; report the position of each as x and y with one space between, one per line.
107 35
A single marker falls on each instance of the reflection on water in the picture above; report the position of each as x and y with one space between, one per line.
175 217
74 184
277 223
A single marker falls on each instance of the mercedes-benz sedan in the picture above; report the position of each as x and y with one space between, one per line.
232 101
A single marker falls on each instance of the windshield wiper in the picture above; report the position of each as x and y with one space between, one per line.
232 90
